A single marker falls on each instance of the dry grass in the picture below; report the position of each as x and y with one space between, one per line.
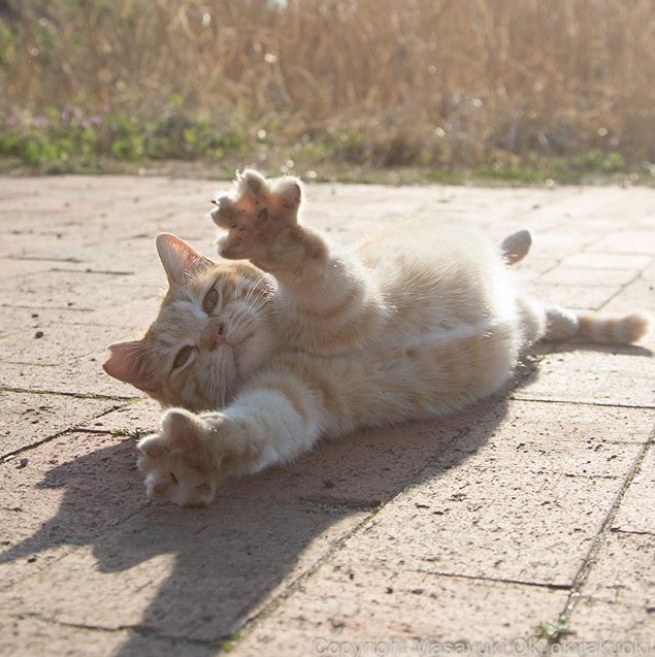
395 82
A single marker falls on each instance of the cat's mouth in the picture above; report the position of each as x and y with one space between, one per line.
235 342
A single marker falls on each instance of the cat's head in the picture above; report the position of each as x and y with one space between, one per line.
213 328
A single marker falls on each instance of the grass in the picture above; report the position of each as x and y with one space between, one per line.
555 630
100 141
135 434
517 91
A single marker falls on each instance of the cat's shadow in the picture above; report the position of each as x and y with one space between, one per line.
230 559
207 572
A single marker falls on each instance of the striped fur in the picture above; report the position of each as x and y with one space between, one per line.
613 329
311 339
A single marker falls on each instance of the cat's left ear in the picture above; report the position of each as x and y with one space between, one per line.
129 363
179 259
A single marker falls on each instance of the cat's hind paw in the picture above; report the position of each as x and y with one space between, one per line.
180 463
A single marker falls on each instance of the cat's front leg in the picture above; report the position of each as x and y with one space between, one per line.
186 460
325 297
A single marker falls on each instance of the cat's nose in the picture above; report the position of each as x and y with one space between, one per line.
215 335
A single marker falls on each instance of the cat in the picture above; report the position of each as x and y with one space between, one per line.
290 337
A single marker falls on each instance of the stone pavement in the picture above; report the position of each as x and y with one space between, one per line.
481 527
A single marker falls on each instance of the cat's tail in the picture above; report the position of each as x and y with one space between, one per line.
597 328
614 329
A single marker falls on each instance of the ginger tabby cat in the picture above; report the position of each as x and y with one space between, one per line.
302 338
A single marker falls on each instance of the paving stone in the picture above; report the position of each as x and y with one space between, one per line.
637 512
186 573
133 316
565 423
477 524
618 599
61 289
594 374
627 241
11 268
17 319
580 297
375 464
491 532
579 276
143 416
28 419
607 261
563 242
69 491
25 637
83 376
390 612
56 345
506 506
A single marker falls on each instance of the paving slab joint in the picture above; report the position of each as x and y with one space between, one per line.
585 569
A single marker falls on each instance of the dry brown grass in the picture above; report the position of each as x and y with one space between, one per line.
460 78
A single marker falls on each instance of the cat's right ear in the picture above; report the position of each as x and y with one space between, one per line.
179 259
128 362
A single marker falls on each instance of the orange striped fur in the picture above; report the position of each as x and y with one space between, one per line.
299 338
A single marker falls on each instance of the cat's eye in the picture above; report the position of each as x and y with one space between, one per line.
210 301
182 356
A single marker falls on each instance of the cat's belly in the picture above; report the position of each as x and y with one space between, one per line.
440 280
426 377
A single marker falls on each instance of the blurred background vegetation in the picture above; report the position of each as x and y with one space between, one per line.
519 90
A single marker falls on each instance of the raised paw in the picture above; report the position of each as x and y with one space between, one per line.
184 462
257 214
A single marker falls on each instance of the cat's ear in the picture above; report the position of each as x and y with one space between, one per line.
128 362
178 258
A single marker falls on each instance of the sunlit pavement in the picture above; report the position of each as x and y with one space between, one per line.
480 528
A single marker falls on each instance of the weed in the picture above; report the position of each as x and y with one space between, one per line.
135 433
554 630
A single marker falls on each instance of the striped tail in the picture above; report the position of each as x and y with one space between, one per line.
613 329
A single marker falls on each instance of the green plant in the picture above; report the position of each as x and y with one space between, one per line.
554 630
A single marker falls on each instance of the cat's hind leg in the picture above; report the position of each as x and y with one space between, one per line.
516 246
546 322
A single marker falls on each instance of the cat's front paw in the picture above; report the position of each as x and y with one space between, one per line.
184 462
257 215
